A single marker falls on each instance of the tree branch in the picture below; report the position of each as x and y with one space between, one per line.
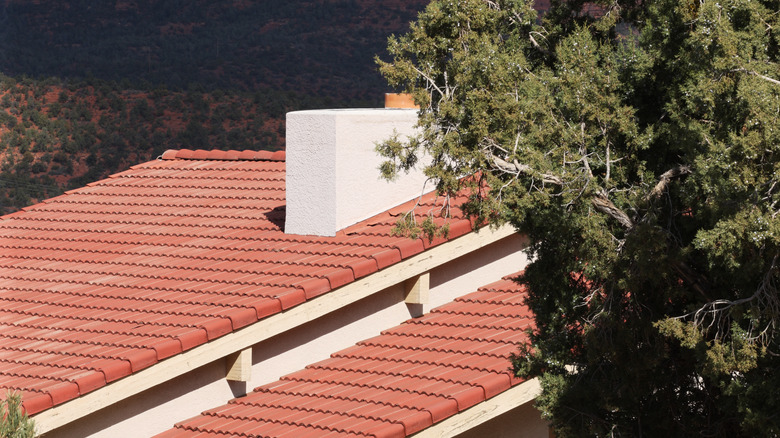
758 75
517 168
602 203
665 178
535 44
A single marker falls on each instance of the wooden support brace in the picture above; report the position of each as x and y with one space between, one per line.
239 366
417 289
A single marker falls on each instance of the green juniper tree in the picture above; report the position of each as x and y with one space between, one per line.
637 144
14 423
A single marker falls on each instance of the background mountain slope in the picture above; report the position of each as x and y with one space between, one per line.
89 88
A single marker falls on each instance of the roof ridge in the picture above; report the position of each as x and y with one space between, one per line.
220 155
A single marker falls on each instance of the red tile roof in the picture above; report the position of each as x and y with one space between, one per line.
393 385
112 278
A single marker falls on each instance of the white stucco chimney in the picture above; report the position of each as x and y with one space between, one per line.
333 178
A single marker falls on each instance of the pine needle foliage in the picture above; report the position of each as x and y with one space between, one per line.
14 422
637 144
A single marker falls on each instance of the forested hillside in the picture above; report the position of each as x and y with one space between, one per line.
55 136
90 88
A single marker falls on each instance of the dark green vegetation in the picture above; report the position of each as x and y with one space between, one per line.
55 136
14 423
638 146
322 47
90 88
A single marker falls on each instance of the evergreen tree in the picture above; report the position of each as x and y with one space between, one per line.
13 422
637 144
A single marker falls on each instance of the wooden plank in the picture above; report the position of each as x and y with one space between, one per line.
418 289
239 366
266 328
483 412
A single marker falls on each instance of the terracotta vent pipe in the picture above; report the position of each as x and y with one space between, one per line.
400 100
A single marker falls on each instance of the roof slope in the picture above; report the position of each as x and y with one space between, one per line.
114 277
393 385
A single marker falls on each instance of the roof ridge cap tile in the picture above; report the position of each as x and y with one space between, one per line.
221 155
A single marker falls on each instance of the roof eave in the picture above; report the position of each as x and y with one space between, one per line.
480 413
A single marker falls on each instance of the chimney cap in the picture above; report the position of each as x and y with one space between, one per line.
400 100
